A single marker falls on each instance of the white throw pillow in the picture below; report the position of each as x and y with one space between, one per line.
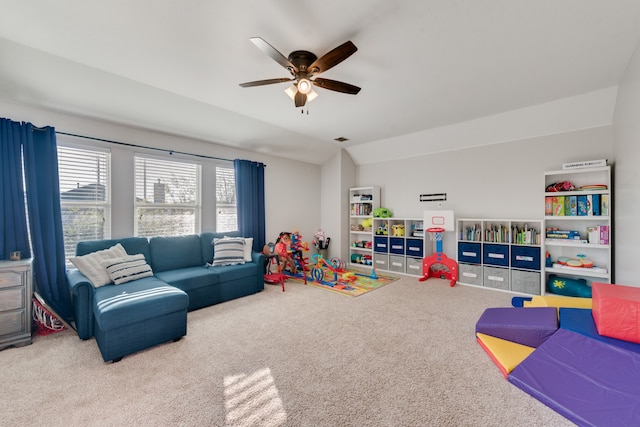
248 245
91 264
228 251
127 268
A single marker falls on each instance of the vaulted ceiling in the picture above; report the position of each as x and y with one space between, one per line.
175 66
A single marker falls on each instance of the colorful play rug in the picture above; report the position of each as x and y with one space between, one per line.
351 283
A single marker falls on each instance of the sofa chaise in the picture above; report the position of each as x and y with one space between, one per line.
171 276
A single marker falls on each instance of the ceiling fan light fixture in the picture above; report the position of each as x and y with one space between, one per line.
291 91
304 86
312 95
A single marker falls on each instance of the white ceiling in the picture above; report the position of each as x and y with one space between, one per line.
175 66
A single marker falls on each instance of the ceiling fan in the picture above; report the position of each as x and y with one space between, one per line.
304 66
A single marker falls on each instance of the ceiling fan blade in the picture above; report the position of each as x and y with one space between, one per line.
265 82
300 99
273 53
336 85
332 58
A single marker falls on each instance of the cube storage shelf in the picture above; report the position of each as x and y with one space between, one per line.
398 245
362 202
586 213
502 254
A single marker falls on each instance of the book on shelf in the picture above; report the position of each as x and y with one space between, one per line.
548 205
558 205
598 234
596 204
604 204
553 233
551 240
571 205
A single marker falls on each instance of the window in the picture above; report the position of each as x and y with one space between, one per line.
226 213
167 197
84 195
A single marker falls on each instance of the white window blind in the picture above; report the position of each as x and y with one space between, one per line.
226 211
167 197
84 195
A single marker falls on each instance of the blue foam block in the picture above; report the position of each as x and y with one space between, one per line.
580 320
588 381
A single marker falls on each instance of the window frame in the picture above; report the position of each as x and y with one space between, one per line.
106 205
196 207
235 198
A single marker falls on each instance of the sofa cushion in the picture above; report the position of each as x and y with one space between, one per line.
133 302
227 273
190 278
228 251
132 245
127 268
91 264
174 252
248 248
206 242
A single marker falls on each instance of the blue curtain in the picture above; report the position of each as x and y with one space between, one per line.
13 230
250 200
40 160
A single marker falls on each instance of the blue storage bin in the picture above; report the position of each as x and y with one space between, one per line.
527 257
381 244
469 252
495 255
414 248
396 245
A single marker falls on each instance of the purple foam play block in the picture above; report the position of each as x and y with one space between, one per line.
580 320
529 326
590 382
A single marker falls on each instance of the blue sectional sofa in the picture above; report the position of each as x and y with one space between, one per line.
138 314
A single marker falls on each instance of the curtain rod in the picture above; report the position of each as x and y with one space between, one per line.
142 146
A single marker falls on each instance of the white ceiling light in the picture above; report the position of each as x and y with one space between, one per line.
304 86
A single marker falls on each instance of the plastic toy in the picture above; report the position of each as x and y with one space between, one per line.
383 230
438 264
382 213
397 230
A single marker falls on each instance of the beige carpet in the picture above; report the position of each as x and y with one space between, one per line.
404 355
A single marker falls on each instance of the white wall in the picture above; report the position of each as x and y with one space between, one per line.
627 176
496 181
291 187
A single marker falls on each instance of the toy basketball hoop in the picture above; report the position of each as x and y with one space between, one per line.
435 235
438 264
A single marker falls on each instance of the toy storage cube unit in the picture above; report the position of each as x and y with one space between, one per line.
616 311
143 314
526 326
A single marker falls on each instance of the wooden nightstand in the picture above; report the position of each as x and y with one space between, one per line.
15 303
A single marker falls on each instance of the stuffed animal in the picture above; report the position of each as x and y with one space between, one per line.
367 223
397 230
382 213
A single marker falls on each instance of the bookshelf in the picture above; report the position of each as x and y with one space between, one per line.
362 202
578 219
501 254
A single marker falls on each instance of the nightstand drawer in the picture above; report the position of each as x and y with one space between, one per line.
11 299
9 279
12 322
